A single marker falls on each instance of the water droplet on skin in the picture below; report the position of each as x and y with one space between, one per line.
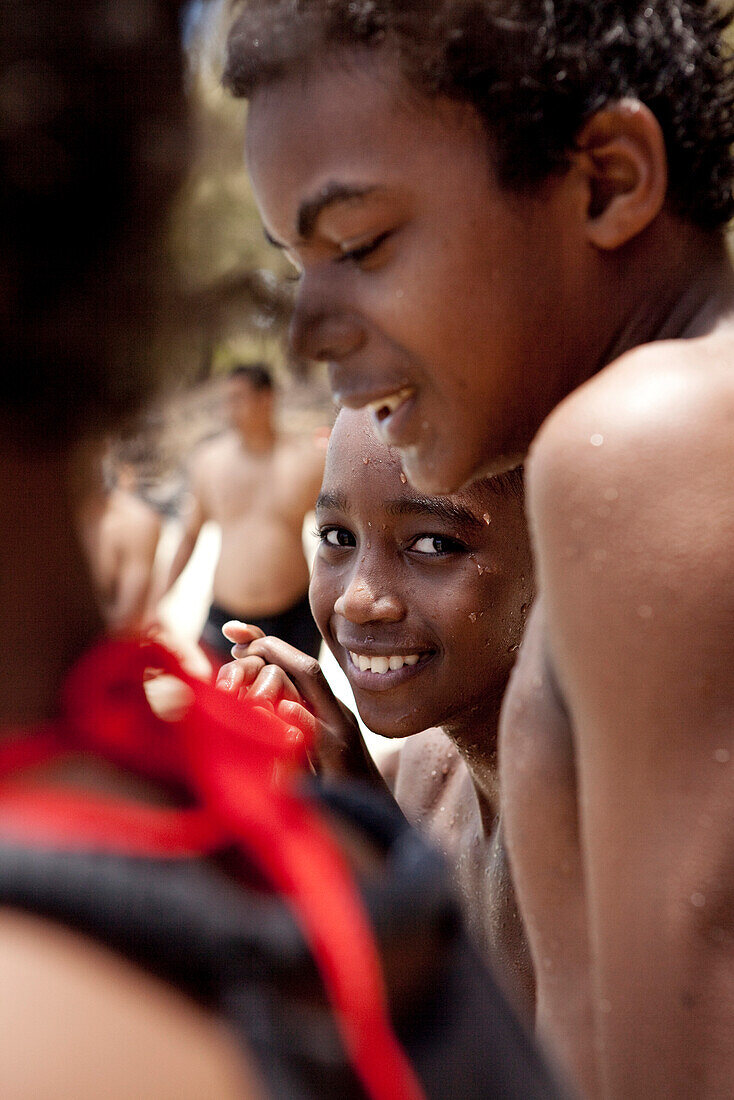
403 478
514 648
698 900
472 616
722 756
434 773
596 440
487 518
366 461
645 611
445 769
611 494
369 544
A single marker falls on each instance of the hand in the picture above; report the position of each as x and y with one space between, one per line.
271 671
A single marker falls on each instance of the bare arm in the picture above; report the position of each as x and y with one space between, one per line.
630 506
193 523
135 576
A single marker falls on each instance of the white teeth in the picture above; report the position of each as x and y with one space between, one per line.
380 665
386 406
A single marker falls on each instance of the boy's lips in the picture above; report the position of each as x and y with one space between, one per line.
380 672
391 415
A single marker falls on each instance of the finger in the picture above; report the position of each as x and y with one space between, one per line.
273 685
249 669
303 671
295 714
230 677
241 633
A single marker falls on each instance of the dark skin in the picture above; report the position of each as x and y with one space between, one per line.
476 317
445 582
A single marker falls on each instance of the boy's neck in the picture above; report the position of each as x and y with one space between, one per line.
47 603
685 289
475 737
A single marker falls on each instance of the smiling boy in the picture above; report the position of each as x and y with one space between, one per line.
493 205
422 600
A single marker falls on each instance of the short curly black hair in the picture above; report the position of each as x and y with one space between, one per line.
535 70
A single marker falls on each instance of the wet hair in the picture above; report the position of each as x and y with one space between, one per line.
535 70
92 142
258 375
510 485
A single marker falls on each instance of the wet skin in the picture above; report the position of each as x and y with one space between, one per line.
466 325
417 273
396 574
445 582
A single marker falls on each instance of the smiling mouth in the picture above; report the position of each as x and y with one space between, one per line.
386 406
383 664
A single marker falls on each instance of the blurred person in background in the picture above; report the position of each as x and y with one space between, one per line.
258 486
121 531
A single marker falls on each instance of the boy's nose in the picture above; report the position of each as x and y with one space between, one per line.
318 331
361 602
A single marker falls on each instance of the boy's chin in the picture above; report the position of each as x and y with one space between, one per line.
394 729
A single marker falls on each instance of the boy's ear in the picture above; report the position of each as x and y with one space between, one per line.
621 153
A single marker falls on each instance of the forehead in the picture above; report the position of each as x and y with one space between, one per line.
360 468
358 464
354 122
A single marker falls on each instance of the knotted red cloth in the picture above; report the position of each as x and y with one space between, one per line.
239 762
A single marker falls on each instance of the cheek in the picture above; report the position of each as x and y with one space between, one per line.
323 591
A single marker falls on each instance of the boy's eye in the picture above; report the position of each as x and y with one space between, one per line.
356 255
436 545
337 536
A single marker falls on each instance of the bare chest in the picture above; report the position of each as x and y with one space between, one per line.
239 487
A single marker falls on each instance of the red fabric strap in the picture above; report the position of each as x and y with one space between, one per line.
239 761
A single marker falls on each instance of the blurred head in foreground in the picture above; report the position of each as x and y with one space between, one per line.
92 142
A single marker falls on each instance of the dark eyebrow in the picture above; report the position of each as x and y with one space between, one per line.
338 501
310 210
439 507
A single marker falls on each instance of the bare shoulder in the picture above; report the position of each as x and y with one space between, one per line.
303 458
133 517
76 1020
306 451
210 454
630 506
657 411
